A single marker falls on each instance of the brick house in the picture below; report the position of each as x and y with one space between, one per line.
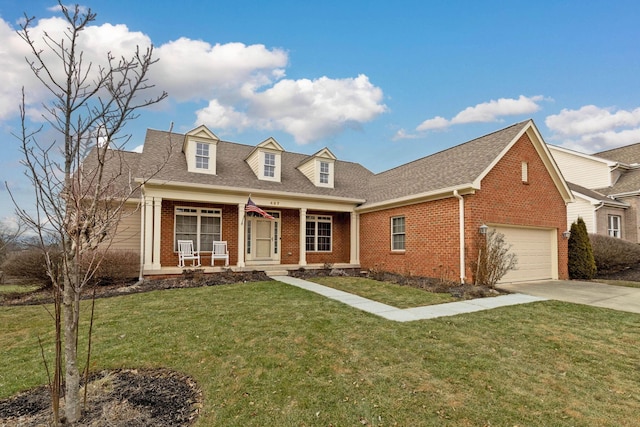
421 218
606 188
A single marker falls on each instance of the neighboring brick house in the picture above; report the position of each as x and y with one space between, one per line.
421 218
606 187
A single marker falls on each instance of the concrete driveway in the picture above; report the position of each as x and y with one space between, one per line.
589 293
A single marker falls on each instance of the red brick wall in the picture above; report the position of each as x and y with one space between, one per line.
340 240
432 228
290 228
229 231
431 246
290 223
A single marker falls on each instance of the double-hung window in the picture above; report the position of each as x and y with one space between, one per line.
615 229
318 233
269 165
324 172
202 155
202 226
397 233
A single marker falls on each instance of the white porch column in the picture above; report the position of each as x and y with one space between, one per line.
147 232
354 246
241 237
303 240
157 215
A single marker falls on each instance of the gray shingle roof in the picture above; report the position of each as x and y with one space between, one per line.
233 171
455 166
596 195
120 168
629 154
629 182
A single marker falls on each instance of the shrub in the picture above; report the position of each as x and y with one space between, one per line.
582 265
29 265
612 254
494 260
118 266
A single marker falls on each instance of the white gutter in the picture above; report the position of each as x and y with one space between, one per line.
247 190
461 221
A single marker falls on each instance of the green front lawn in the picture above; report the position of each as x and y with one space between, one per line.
385 292
269 354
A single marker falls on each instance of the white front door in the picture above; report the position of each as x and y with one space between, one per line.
263 239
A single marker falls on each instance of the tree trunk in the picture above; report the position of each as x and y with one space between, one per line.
72 375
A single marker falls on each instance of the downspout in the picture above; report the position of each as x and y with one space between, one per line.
461 221
142 229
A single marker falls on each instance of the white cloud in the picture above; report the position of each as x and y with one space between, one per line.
307 109
486 112
402 134
592 129
244 85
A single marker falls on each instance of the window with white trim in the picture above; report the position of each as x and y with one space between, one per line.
318 233
202 155
398 233
202 226
324 172
269 165
615 228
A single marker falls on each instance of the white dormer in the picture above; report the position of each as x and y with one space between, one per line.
320 168
200 148
266 160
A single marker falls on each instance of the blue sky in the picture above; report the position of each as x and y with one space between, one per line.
378 82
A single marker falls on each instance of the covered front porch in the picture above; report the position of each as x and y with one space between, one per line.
294 232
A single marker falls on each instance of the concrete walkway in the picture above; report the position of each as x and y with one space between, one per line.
410 314
590 293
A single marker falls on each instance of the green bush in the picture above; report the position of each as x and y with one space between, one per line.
582 265
613 254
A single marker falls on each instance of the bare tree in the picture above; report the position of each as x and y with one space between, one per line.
82 181
494 259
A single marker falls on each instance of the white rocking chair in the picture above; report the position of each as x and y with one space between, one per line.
220 252
186 253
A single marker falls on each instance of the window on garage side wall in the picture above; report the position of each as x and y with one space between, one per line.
202 226
397 233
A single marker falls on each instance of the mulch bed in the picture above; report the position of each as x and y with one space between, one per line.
120 398
628 273
428 284
189 279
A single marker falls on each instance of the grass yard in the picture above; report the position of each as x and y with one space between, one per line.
387 293
268 354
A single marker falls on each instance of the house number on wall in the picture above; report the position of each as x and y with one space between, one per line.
274 203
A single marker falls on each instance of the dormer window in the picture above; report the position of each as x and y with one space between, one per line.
320 168
202 155
324 173
266 160
200 148
269 165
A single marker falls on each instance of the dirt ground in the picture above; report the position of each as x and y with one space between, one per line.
116 399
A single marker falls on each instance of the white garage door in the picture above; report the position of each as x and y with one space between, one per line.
536 251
